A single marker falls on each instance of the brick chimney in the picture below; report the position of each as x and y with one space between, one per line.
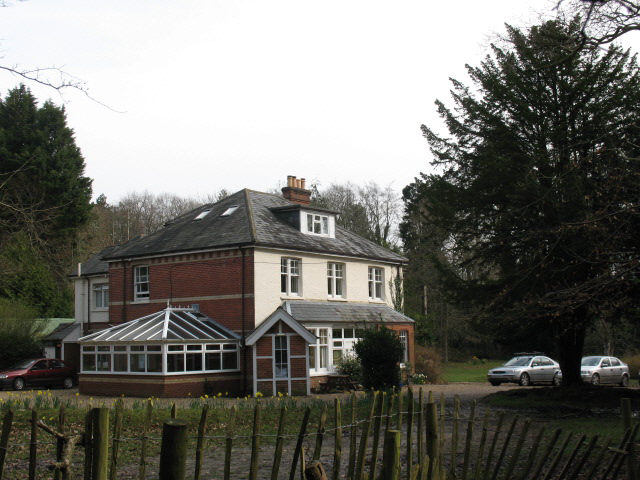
296 191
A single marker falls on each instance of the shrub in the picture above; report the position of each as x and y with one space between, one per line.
350 365
379 352
429 363
18 333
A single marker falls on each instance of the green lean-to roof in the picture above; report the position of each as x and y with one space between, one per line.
257 221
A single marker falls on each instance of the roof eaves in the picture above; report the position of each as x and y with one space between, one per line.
401 259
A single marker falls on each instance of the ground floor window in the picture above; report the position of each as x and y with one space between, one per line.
281 352
332 345
186 358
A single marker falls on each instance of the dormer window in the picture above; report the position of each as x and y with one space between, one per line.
318 224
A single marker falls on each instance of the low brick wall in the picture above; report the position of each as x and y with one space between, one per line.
161 386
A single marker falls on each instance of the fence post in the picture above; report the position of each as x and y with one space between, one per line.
173 451
320 433
337 453
625 407
115 444
376 437
202 428
143 444
409 432
60 442
100 444
352 439
391 456
277 455
4 439
362 450
229 443
33 445
297 453
433 440
255 444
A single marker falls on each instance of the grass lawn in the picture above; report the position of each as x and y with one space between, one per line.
468 372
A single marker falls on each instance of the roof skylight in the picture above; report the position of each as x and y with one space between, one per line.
202 214
229 211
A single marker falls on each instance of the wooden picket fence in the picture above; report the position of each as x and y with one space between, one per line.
401 437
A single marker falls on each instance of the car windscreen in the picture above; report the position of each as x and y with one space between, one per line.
518 362
20 365
590 361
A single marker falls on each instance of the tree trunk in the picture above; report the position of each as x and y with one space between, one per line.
569 333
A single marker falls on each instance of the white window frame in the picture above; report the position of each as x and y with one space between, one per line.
336 276
344 342
319 348
403 336
317 224
282 369
376 282
223 349
290 268
139 279
100 291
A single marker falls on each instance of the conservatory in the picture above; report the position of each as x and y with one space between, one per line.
173 352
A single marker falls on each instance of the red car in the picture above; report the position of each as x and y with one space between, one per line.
38 372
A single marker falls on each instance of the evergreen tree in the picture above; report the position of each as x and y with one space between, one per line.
538 188
44 199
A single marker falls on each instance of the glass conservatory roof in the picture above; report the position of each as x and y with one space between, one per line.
172 324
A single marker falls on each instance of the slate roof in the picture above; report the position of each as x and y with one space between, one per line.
336 312
169 324
61 332
95 265
255 222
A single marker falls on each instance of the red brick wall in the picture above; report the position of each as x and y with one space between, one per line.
187 279
160 386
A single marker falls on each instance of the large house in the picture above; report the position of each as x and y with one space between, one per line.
255 293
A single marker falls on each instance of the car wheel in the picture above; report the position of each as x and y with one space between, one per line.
18 384
557 381
494 383
525 380
624 382
68 383
595 379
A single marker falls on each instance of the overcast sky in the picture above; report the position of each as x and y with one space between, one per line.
233 94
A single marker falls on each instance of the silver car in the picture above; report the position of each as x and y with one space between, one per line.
526 369
598 370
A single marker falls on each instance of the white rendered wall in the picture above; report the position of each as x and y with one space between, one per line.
84 295
313 273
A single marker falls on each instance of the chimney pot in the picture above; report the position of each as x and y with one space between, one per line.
303 183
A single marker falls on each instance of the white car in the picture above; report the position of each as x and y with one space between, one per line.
598 370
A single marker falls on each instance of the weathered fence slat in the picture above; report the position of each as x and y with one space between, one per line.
515 456
420 424
362 451
174 410
298 450
391 456
173 452
492 447
60 442
583 459
443 404
320 433
468 441
505 446
598 460
616 455
454 435
228 443
277 455
558 456
410 405
631 440
400 403
547 452
202 430
115 443
572 457
337 444
376 436
88 444
143 443
483 441
625 407
352 439
255 444
33 445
